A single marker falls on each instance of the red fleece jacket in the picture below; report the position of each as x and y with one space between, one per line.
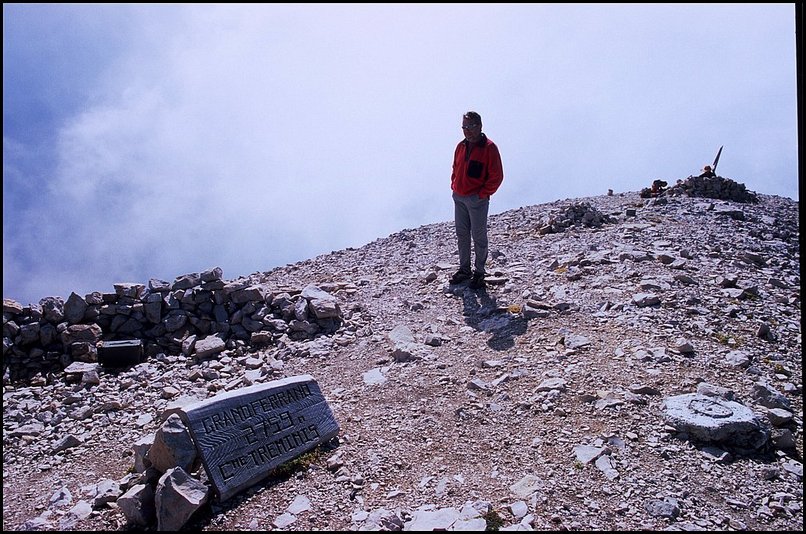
476 168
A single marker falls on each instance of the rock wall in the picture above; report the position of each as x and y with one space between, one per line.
198 314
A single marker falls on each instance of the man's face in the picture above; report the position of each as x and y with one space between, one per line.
471 129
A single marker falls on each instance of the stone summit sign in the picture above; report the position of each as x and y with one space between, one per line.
242 435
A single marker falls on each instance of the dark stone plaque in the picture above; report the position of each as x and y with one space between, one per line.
242 435
123 353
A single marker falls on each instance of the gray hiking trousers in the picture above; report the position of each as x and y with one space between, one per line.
470 217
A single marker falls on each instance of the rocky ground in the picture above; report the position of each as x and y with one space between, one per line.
588 324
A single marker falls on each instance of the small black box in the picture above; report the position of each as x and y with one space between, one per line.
120 353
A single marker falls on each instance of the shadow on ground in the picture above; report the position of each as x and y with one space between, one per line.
482 312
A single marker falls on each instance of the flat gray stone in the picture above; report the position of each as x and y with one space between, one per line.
713 419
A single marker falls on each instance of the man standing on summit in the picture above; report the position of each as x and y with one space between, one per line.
477 174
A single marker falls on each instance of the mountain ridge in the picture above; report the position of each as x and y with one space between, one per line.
599 308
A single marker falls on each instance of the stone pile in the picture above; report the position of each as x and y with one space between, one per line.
576 213
198 314
713 187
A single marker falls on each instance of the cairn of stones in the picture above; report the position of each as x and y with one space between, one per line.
198 315
578 213
715 187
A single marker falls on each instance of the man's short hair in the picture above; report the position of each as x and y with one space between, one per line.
473 116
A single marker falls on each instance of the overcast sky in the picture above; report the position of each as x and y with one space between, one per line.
149 141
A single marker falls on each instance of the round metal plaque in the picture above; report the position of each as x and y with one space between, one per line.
710 408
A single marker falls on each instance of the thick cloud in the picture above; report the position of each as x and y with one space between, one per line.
150 141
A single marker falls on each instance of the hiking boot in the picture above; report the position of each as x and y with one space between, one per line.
478 281
460 276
